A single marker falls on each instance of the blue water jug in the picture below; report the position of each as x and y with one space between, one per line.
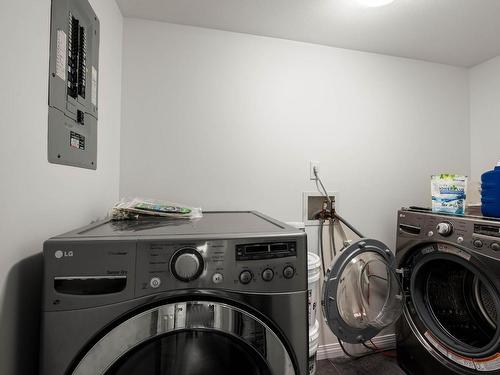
490 192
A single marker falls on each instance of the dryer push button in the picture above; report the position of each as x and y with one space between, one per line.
155 282
478 243
288 272
245 277
217 278
267 274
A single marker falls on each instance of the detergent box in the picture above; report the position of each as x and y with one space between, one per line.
449 192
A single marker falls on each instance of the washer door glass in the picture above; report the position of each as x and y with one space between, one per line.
189 338
362 293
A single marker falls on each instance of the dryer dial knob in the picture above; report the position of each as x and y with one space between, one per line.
444 229
187 264
495 246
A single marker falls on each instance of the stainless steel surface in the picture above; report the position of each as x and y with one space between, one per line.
225 224
177 317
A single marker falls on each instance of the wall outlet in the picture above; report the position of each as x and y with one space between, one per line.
312 165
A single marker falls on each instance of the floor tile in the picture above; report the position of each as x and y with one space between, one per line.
371 365
325 367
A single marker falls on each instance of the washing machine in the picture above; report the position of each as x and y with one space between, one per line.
450 268
441 288
224 294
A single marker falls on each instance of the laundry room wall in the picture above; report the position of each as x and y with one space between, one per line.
39 199
224 120
485 117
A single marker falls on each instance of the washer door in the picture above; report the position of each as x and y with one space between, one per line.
362 293
189 338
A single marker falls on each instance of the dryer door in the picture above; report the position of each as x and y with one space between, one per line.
362 293
189 338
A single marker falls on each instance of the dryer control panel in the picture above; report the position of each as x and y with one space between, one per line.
235 265
110 261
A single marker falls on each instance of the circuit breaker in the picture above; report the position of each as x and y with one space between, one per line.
73 84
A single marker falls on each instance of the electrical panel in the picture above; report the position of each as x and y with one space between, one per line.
73 81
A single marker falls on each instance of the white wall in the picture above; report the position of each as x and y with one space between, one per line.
485 117
38 199
230 121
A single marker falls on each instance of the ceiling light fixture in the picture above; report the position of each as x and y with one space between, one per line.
374 3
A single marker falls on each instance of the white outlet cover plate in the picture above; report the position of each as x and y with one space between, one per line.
312 165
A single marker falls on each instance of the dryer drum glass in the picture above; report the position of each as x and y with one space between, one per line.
189 338
369 294
194 352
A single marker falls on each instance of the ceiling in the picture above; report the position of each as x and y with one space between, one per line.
456 32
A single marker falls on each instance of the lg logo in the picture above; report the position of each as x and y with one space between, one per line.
59 254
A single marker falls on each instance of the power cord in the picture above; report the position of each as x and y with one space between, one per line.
318 179
334 213
357 357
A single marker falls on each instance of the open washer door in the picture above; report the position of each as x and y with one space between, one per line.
362 292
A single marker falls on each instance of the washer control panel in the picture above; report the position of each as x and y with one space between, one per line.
472 232
268 266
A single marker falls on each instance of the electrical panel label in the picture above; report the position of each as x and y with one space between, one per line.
61 54
77 140
94 86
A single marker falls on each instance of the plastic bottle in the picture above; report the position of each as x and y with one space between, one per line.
490 192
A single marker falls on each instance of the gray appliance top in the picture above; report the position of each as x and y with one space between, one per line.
220 223
471 213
